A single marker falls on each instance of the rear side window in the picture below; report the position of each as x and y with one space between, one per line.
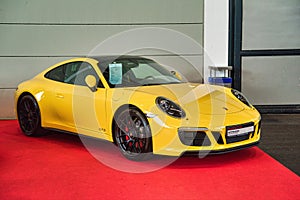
73 73
57 74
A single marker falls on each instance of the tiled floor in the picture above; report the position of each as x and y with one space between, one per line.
281 139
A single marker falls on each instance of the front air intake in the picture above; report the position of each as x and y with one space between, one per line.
193 137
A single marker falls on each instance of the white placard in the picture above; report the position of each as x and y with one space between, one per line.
240 131
115 73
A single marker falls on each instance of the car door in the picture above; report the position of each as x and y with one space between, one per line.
89 112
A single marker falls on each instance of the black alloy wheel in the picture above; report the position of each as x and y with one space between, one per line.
133 135
29 116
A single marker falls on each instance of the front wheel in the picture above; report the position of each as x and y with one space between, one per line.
29 116
133 135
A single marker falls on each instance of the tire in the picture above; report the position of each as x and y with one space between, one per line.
133 135
29 116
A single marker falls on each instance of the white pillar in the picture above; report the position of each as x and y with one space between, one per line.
216 23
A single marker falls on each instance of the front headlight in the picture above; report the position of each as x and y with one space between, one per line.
241 97
170 107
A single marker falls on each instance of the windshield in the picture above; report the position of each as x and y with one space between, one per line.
132 72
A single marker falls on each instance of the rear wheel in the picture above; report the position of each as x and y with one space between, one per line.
133 135
29 116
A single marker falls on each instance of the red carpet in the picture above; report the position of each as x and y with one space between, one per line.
57 166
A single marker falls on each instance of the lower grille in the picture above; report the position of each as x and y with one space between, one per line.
237 139
243 136
193 137
218 137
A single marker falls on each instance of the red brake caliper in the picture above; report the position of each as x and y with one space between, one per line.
127 137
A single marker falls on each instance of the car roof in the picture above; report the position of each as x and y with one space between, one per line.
115 57
104 61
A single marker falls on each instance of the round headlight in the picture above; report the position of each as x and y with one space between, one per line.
241 97
170 107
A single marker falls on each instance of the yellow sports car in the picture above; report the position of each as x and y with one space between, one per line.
138 105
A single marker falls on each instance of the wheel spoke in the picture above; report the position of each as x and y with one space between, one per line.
27 106
27 125
133 148
123 126
22 115
31 125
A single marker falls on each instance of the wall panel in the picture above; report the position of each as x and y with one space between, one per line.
32 40
14 70
271 80
271 24
101 11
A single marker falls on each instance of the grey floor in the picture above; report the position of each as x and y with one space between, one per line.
281 139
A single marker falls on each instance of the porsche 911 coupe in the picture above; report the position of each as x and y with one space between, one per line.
138 105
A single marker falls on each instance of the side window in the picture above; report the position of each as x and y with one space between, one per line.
57 74
73 73
83 70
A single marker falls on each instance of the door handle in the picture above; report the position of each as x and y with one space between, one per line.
59 96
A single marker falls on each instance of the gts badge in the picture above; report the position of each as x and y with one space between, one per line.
102 130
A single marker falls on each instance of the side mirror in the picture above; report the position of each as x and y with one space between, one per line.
91 82
177 75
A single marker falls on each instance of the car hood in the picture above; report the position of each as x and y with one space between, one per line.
195 98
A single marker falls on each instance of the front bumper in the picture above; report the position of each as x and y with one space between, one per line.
175 141
221 151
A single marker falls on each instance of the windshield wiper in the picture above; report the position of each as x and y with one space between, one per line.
149 84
